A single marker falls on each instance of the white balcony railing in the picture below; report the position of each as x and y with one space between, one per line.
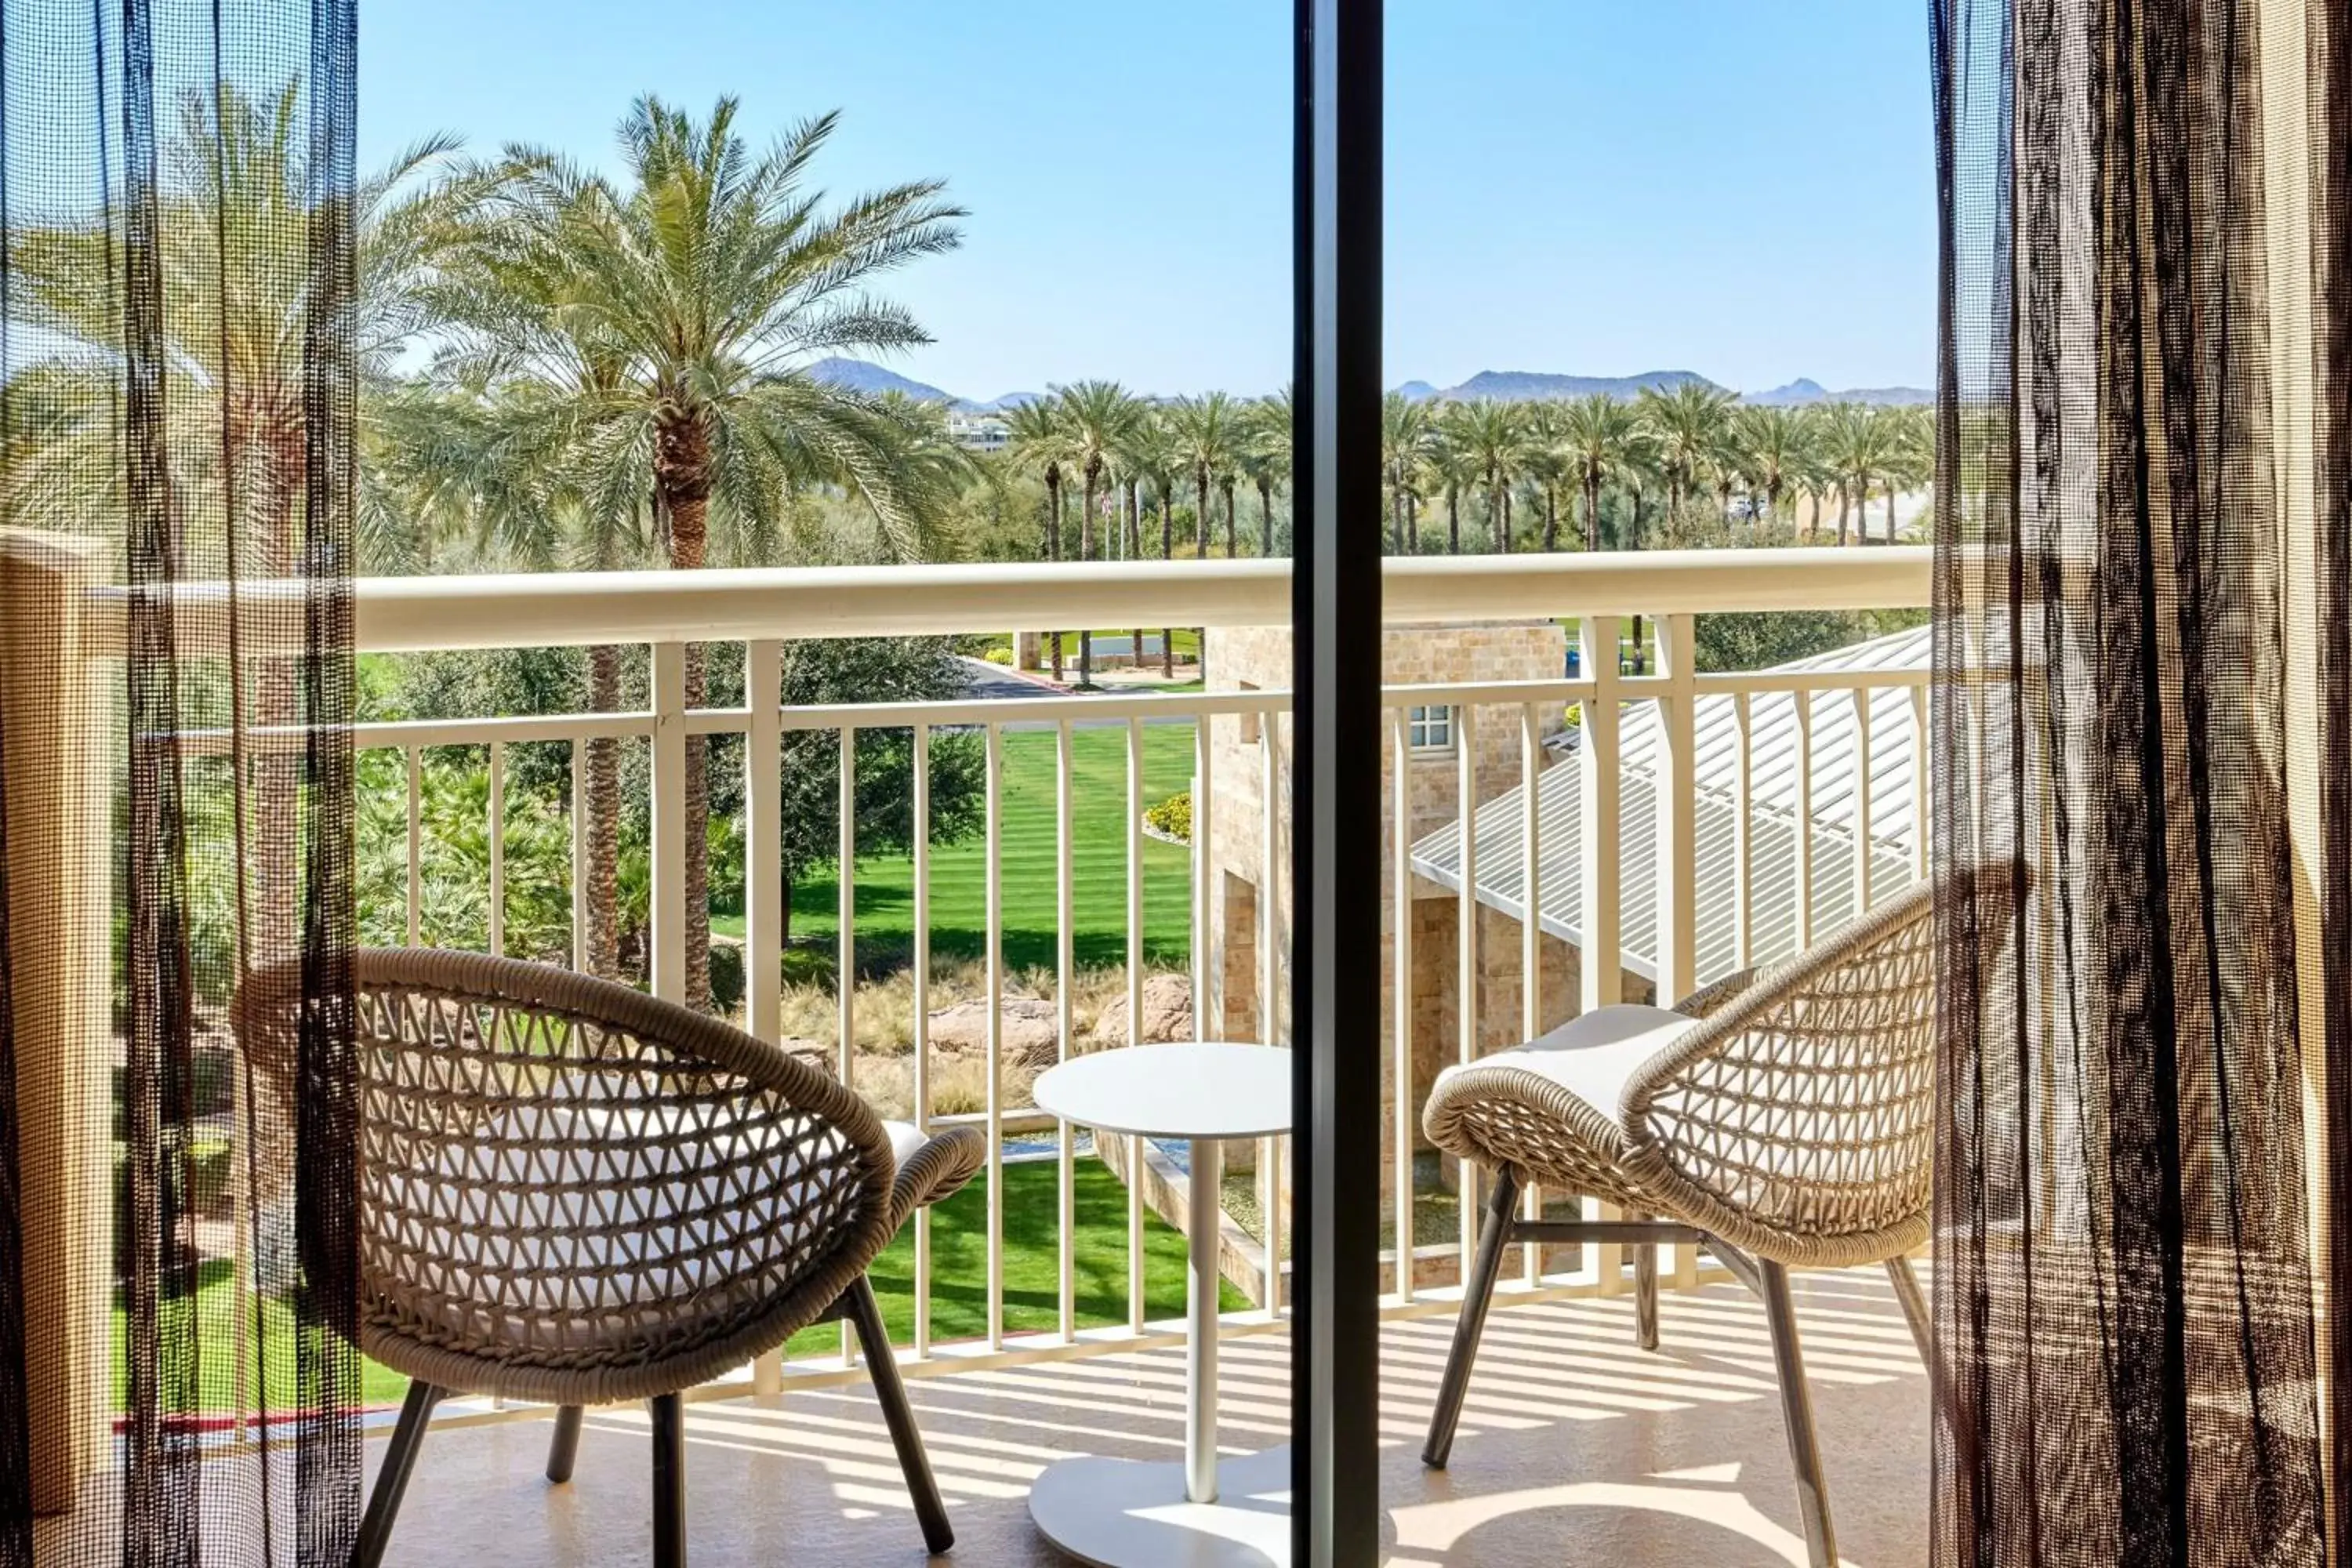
763 608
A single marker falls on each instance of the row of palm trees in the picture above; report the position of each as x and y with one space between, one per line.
1112 444
1694 447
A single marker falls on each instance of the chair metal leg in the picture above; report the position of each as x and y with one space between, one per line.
1914 1306
1478 1294
564 1448
669 1480
1645 1292
890 1389
392 1480
1797 1414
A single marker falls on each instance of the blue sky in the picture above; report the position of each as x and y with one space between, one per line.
1740 187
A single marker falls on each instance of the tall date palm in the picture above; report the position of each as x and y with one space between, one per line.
715 275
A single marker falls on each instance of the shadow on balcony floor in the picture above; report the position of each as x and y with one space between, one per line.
1576 1449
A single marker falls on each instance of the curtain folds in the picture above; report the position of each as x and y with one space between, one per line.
178 387
2125 1322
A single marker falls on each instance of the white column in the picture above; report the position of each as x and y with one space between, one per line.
1203 1219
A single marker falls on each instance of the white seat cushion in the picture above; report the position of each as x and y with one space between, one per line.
1593 1055
905 1139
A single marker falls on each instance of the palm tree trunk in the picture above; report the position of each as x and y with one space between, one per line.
1233 530
1453 518
603 822
1890 511
1054 546
1265 518
1843 501
1086 553
1551 518
1633 536
1202 524
1412 524
688 504
1167 552
1593 513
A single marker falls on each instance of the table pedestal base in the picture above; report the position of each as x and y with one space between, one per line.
1126 1513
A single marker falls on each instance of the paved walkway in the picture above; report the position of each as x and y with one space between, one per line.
1577 1450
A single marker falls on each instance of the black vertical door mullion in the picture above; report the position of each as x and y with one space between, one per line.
1336 786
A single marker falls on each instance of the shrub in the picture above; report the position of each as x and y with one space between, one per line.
999 656
1173 816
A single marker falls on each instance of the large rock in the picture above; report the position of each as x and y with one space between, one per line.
1033 1033
1167 1013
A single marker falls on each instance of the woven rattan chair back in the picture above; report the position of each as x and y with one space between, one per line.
1798 1120
571 1191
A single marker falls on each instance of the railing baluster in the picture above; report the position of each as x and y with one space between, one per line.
1404 1108
1531 1011
1065 974
1804 827
497 813
1862 867
1135 1280
846 906
1465 951
1743 833
764 882
580 857
994 986
1601 965
1269 989
1921 795
923 961
1677 789
669 825
415 847
844 962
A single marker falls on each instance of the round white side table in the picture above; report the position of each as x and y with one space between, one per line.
1126 1513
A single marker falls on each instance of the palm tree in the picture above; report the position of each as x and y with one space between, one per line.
1040 442
717 277
1407 438
1152 451
1774 453
1265 458
1688 427
237 300
1543 441
1487 436
1206 441
1911 455
1454 463
1858 446
1095 418
1603 439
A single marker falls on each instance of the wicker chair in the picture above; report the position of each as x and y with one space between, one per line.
572 1193
1781 1118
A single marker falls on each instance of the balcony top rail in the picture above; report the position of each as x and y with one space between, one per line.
578 608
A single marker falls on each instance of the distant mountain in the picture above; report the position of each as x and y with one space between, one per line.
1416 392
1519 385
1801 391
1006 403
858 375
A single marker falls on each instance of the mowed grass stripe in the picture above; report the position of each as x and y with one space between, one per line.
885 898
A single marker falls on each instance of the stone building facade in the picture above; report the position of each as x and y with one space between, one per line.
1259 659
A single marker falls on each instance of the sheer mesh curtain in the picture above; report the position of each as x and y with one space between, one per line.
177 295
2124 1318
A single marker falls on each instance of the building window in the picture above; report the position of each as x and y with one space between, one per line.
1432 729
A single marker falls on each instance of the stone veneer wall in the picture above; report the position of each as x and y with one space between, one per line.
1259 657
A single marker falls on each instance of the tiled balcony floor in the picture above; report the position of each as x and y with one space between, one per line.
1576 1449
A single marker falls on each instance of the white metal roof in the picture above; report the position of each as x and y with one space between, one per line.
1773 750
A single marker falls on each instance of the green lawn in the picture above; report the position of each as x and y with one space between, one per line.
958 1283
1031 1264
886 900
